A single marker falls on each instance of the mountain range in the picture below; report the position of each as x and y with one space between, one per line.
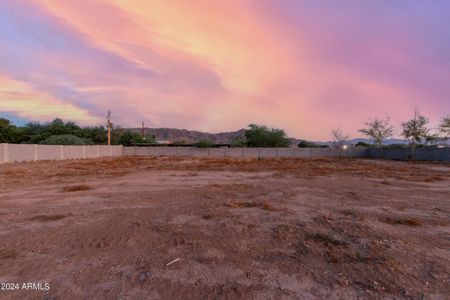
192 136
189 136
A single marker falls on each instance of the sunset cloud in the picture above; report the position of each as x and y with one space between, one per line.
20 99
219 65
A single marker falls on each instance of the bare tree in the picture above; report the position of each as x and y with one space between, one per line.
378 130
339 139
444 127
415 130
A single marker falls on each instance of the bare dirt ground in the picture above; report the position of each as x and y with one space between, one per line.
241 229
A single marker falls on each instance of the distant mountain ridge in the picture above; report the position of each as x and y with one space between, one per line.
369 141
192 136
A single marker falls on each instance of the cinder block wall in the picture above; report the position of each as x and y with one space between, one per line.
24 152
244 152
27 152
1 153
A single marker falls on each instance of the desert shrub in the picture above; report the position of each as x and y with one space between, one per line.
239 142
307 144
203 144
362 144
262 136
128 138
64 139
410 221
77 188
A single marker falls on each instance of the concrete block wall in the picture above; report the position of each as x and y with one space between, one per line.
303 152
91 151
71 152
324 152
48 152
28 152
244 152
17 153
234 152
25 152
251 152
267 152
217 152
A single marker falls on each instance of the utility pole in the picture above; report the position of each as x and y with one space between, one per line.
108 123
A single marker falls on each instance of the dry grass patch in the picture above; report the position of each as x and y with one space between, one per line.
353 213
241 204
8 254
327 238
287 232
410 221
433 178
267 206
77 188
47 218
263 205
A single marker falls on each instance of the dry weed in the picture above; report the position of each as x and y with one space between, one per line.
77 188
327 238
263 205
410 221
433 178
47 218
8 254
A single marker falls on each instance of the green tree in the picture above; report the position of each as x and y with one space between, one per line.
9 133
203 144
307 144
444 127
262 136
96 134
37 132
6 130
415 130
129 138
239 141
362 144
378 130
64 139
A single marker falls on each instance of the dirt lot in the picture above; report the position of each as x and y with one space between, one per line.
291 228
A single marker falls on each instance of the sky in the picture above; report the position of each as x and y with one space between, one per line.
306 66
